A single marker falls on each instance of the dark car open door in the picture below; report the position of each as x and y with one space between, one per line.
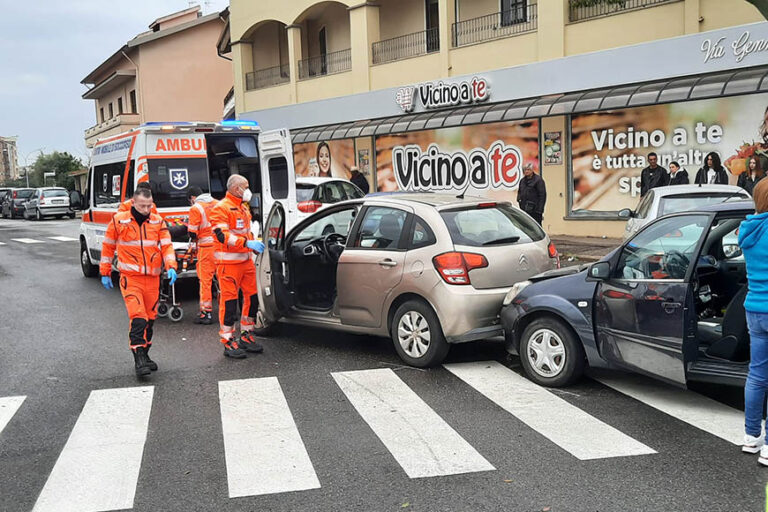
643 310
274 296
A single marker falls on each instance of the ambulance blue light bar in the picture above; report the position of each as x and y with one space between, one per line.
238 122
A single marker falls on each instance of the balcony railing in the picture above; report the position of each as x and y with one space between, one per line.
579 10
125 120
404 47
494 26
268 77
327 64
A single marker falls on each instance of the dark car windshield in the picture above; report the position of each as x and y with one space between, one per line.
497 224
304 192
688 202
59 192
171 178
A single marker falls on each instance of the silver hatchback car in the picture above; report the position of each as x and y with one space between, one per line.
427 270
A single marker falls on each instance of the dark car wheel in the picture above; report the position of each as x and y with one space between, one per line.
417 335
89 269
550 353
38 215
71 215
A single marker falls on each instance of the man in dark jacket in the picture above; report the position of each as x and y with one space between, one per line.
532 194
358 179
653 176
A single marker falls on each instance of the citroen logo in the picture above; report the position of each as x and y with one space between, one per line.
523 262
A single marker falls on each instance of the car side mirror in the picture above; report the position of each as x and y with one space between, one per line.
600 271
626 213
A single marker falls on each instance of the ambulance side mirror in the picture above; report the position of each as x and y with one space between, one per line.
75 200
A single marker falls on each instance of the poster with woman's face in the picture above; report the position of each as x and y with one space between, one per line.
324 159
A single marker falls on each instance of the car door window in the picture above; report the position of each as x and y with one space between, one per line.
275 229
333 193
421 234
351 191
381 228
662 251
339 222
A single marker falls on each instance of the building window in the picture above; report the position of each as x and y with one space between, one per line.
111 111
132 97
120 105
101 114
513 11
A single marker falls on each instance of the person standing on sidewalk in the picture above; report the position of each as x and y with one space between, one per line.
201 234
751 176
712 172
753 240
532 194
233 248
653 176
358 179
677 176
145 246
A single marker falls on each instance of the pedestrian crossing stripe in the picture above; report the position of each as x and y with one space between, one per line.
63 238
8 407
27 240
2 243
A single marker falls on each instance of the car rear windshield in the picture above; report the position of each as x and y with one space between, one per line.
171 178
304 192
55 193
24 194
499 224
688 202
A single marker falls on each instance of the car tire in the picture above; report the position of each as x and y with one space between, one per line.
89 269
38 215
551 354
71 215
417 317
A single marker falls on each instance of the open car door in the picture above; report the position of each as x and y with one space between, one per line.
644 309
278 176
272 270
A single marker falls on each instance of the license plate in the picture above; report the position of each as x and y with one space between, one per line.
59 201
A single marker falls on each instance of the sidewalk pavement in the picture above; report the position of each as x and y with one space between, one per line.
583 249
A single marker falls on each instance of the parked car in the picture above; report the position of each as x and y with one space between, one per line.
668 303
13 205
3 193
48 202
427 270
661 201
314 194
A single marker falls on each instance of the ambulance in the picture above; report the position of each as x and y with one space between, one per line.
176 156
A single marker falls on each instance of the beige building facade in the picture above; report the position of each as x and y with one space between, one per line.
580 91
9 160
170 73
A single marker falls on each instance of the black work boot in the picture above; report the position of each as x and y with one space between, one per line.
150 363
204 318
231 349
248 342
140 358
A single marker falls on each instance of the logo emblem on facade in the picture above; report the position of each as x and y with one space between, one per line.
179 179
523 262
404 98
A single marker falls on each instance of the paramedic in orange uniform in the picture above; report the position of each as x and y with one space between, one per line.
144 247
235 270
125 206
201 234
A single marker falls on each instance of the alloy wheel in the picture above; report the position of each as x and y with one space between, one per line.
546 353
413 334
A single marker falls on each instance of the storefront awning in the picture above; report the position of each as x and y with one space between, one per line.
681 89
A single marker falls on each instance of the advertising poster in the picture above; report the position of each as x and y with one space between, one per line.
481 160
610 149
324 159
553 148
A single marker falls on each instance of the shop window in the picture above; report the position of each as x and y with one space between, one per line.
513 11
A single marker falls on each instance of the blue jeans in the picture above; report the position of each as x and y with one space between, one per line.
757 380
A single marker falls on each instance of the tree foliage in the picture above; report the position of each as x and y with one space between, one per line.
59 163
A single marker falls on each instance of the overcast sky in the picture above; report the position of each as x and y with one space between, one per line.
47 47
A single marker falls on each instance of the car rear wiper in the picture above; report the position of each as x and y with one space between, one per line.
507 240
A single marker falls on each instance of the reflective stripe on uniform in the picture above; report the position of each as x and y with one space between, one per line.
165 242
137 243
109 241
232 240
220 226
239 231
105 259
232 256
141 269
205 240
193 227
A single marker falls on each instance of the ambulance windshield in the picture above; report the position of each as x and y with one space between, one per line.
171 178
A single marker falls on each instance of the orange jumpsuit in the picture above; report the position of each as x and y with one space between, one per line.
143 252
231 223
200 226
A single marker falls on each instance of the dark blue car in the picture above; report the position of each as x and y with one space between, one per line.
668 303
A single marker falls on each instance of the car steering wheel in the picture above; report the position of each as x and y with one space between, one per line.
333 246
675 264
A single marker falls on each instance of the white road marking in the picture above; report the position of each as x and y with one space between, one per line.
420 440
703 413
27 240
98 469
572 429
264 450
63 238
8 407
2 243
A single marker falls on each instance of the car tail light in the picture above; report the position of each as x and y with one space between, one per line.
454 267
553 253
486 205
42 199
309 206
14 194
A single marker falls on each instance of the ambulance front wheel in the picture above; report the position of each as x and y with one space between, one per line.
176 314
162 310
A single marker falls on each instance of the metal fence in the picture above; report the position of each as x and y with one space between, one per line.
585 9
327 64
494 26
403 47
268 77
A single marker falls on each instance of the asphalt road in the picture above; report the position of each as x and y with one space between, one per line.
63 336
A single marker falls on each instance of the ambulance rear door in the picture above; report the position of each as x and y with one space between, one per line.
277 174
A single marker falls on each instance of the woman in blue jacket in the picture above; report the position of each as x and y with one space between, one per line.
753 239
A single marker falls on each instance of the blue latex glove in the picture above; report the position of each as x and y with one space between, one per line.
172 276
255 245
106 281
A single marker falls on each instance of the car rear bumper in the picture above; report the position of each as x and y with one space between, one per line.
467 313
54 210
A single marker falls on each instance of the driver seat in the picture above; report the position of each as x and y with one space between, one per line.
389 229
731 339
